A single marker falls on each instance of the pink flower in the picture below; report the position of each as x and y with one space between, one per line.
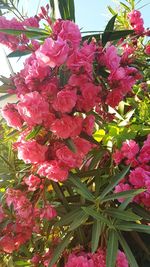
33 108
130 149
122 260
88 124
69 158
112 60
138 177
33 182
144 156
117 156
7 244
67 126
48 212
65 101
12 117
52 53
114 97
53 171
68 31
121 188
136 21
79 261
31 151
147 50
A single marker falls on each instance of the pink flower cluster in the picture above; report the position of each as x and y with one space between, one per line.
136 21
22 224
139 176
97 259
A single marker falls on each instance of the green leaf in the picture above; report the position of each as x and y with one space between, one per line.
123 215
96 158
96 232
110 24
34 132
125 6
19 53
116 35
127 250
82 189
60 248
70 144
125 194
36 33
22 263
68 218
112 249
67 9
113 12
81 218
114 181
100 217
4 97
134 227
141 211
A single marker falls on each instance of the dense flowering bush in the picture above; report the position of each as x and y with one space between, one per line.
80 182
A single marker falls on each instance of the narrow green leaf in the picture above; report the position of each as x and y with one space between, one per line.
110 24
36 33
80 219
82 189
92 212
125 215
114 181
141 211
96 232
125 194
112 249
70 144
4 97
67 9
127 250
125 6
60 248
113 12
134 227
34 132
68 218
115 35
96 159
19 53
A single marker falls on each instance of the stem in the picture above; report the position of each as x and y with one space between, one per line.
21 17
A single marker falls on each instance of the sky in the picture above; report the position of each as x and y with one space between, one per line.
90 15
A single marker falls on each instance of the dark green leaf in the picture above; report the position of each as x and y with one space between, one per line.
82 189
116 35
141 211
134 227
19 53
60 248
96 232
125 194
67 9
68 218
81 218
90 36
70 144
110 24
127 250
112 249
97 215
114 181
123 215
36 33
